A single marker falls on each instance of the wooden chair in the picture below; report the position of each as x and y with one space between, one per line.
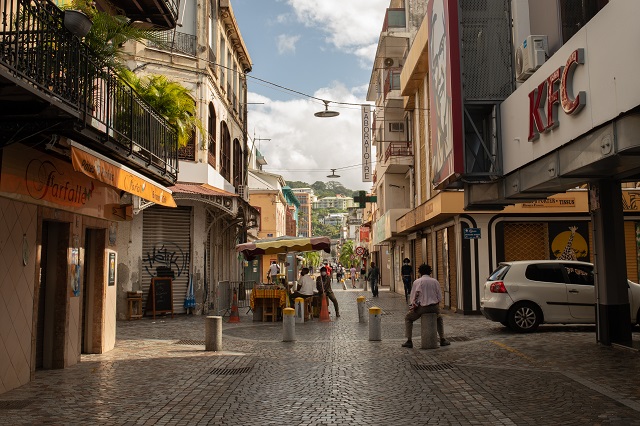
270 305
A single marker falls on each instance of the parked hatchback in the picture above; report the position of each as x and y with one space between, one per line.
524 294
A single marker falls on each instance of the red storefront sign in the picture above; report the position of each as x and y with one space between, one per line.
555 91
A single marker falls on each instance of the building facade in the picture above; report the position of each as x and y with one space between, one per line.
476 137
72 163
305 198
195 243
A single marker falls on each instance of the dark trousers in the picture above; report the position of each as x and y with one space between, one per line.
374 287
417 313
333 299
406 279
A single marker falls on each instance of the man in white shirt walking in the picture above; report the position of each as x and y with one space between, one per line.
425 298
274 270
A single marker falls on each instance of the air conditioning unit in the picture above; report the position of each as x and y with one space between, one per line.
530 56
396 126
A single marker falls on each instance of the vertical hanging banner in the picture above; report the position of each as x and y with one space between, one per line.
366 143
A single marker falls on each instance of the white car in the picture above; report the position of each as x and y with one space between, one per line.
524 294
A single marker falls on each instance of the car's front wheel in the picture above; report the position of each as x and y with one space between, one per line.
524 317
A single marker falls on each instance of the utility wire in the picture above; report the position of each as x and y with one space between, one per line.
284 89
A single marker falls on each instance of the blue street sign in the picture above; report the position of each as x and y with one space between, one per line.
471 233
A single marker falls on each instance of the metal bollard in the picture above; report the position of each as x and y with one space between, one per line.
375 324
361 315
213 333
288 325
429 331
299 309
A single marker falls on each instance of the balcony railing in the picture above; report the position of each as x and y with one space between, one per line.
398 149
392 80
175 41
37 49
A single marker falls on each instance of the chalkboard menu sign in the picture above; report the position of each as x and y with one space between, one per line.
160 299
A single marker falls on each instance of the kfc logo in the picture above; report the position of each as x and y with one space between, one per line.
555 91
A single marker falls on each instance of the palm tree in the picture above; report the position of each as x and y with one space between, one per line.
108 35
169 98
311 258
347 253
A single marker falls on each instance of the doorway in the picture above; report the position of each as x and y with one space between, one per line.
52 296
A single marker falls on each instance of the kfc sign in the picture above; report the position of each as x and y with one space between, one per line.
555 90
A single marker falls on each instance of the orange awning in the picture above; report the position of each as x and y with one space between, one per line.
107 171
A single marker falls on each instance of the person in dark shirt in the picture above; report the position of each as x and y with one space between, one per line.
323 285
407 277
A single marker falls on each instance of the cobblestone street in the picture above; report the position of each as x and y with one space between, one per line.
159 373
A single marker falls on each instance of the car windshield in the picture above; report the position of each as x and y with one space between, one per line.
499 273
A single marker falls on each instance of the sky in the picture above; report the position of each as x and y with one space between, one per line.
321 48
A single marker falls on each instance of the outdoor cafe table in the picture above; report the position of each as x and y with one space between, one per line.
262 296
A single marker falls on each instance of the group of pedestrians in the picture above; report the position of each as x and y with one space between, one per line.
423 295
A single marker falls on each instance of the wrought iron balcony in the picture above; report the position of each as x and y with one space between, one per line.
175 41
51 82
398 149
159 13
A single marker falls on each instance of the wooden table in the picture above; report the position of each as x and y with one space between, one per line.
267 302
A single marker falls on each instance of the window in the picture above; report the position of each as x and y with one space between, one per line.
580 274
575 14
223 70
545 272
238 169
211 149
499 273
396 127
225 157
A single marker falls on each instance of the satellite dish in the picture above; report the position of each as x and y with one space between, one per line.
388 62
333 174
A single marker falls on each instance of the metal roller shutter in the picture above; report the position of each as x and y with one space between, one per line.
525 241
166 242
631 250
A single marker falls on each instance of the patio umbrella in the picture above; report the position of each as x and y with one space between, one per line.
283 245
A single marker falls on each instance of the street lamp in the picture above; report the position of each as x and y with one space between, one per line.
333 174
326 113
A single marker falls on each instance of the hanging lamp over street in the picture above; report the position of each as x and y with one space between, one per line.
326 112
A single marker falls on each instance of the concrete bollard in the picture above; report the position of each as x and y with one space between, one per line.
429 331
288 325
375 324
213 333
361 316
299 309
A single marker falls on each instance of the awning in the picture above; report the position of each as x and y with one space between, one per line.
200 188
283 244
108 171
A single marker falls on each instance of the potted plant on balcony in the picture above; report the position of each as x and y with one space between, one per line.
78 17
171 100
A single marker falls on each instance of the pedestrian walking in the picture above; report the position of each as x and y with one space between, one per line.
273 272
425 298
323 285
352 271
407 277
373 276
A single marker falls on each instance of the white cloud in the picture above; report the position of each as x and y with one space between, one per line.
304 147
287 43
352 26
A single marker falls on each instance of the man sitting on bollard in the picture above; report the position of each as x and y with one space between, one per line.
425 298
305 286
